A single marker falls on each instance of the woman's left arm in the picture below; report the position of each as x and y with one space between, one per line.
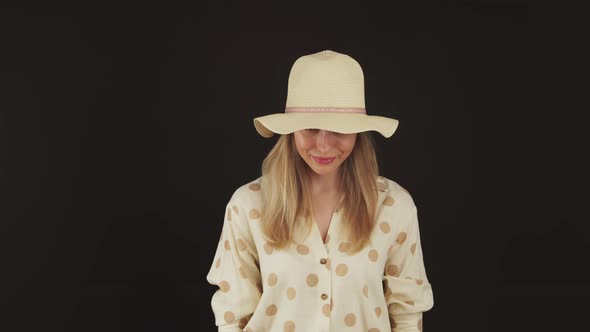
407 291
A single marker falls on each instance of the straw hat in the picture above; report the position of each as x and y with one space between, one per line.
326 91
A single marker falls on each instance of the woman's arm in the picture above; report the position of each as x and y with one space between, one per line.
407 291
235 271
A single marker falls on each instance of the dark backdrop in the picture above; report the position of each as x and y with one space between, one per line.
125 129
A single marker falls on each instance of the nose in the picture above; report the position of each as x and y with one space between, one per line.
324 140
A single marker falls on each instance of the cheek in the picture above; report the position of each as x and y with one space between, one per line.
303 144
300 145
347 146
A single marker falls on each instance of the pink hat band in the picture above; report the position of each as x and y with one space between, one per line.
325 110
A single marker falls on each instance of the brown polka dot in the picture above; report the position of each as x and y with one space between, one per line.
254 214
244 321
226 245
218 262
241 245
378 312
229 316
224 286
272 279
381 186
388 201
341 270
350 319
390 251
235 208
413 248
392 322
326 310
291 293
327 238
328 264
392 270
419 324
254 186
268 248
312 279
259 286
271 310
385 228
243 273
229 214
401 237
374 329
388 292
409 302
289 326
419 281
366 291
344 246
373 255
302 249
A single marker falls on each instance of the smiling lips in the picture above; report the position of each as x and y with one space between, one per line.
323 161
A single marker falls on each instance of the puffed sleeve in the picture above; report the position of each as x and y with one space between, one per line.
407 291
235 270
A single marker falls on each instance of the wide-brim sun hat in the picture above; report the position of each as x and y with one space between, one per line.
326 90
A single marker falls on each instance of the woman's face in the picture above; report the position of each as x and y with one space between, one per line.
324 151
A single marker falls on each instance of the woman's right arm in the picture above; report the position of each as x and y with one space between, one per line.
235 271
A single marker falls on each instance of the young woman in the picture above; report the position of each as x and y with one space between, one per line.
321 241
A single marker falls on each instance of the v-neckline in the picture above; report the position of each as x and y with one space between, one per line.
318 233
333 219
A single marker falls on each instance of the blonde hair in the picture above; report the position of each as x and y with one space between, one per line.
286 192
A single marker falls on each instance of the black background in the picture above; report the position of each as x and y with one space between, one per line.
125 129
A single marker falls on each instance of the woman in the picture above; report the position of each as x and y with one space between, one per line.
321 242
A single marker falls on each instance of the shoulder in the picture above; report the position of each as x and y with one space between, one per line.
248 194
400 195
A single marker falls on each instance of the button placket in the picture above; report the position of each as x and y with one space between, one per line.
325 281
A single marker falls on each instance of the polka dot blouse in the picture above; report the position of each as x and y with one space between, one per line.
316 285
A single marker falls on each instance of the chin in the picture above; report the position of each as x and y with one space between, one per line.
323 171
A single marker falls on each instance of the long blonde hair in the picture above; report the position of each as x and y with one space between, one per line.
286 192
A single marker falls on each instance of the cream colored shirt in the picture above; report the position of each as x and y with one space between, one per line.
317 287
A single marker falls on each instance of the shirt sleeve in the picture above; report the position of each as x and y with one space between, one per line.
407 291
235 270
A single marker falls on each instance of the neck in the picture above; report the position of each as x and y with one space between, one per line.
325 184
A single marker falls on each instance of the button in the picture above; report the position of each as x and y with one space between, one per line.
324 296
323 261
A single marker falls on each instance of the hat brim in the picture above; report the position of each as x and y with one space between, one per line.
286 123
